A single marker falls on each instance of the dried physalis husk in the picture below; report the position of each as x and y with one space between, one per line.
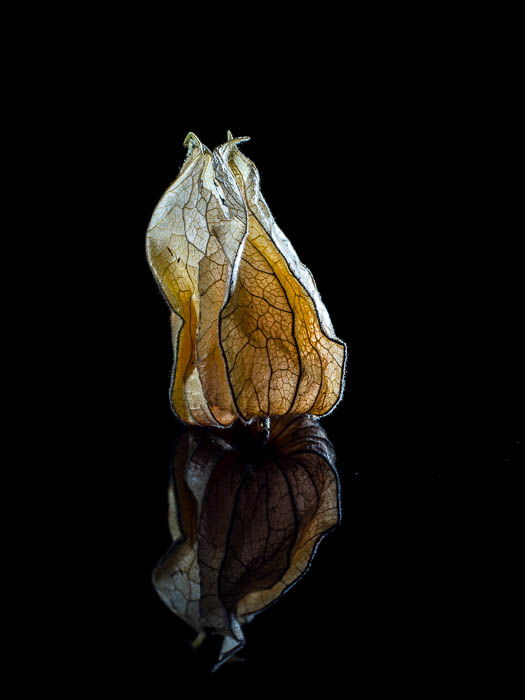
246 517
251 336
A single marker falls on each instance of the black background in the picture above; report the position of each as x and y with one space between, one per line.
401 197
